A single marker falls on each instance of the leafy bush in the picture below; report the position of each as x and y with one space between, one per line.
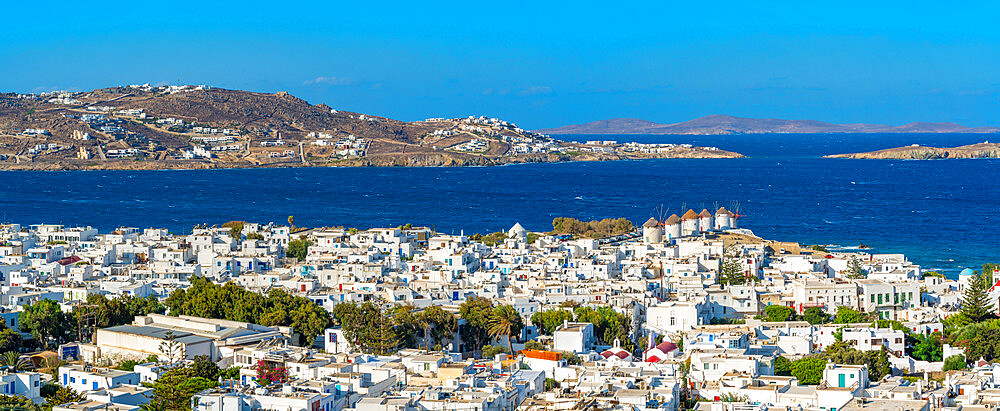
955 362
491 351
782 366
808 370
778 313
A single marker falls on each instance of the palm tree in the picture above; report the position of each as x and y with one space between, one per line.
505 321
14 361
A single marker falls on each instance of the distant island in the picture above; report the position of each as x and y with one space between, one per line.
193 127
916 152
722 124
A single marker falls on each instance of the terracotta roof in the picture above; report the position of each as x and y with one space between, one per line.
674 219
651 222
542 355
690 215
667 346
70 260
705 213
722 210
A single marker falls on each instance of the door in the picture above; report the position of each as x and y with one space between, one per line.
840 379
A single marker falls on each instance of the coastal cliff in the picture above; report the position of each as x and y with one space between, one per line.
200 127
915 152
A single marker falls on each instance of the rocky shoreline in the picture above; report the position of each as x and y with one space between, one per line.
915 152
384 160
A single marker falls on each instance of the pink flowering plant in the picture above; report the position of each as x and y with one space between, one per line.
266 374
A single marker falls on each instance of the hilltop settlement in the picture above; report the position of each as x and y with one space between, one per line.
160 127
688 312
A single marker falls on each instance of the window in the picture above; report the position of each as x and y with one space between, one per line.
873 297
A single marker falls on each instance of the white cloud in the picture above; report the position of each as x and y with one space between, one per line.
531 91
330 81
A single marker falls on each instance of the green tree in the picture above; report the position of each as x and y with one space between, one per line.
476 313
926 348
47 323
174 351
815 315
174 389
127 365
808 370
116 311
778 313
893 324
976 305
10 340
877 361
782 366
854 269
731 268
609 325
548 321
298 249
878 364
64 395
439 324
235 228
491 351
232 302
985 343
955 362
504 321
204 368
848 316
18 403
989 272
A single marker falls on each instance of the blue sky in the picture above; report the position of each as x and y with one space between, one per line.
539 64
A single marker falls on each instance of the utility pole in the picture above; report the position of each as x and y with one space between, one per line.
86 321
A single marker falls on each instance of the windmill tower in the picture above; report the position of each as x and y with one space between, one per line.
736 216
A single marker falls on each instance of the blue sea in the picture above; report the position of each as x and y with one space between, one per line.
943 214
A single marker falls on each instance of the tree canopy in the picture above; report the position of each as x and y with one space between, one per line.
548 320
731 268
232 302
778 313
298 249
808 370
976 305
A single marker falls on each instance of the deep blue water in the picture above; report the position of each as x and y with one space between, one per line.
943 214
